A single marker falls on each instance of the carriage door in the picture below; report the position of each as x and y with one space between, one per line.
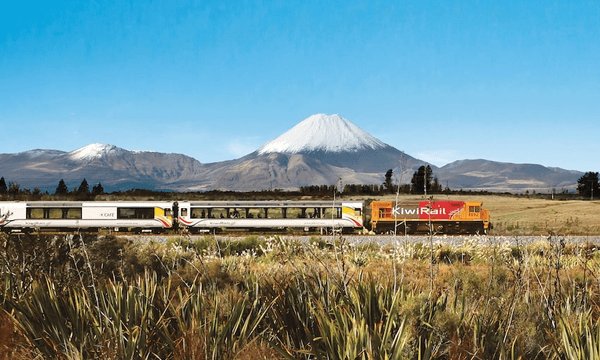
175 215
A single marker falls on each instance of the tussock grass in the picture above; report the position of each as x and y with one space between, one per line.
280 299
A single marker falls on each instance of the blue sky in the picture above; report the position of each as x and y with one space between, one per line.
511 81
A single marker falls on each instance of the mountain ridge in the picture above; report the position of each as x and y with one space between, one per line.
308 159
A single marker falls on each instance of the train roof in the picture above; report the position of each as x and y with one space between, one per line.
271 203
207 204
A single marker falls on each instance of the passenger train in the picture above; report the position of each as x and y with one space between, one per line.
453 217
194 216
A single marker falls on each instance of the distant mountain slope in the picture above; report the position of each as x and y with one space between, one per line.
318 151
498 176
288 172
114 167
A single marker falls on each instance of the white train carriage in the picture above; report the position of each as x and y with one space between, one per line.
207 216
91 216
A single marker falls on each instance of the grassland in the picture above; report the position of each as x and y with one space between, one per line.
72 297
105 297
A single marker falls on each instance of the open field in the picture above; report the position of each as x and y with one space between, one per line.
521 215
106 297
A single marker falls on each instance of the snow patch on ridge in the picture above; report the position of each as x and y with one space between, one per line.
41 152
321 132
95 151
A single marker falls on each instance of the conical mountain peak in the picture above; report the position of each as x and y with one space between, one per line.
94 151
324 133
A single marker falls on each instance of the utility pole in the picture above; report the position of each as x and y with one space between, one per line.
333 209
397 195
425 181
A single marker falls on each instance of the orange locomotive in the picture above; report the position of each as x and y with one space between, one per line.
444 217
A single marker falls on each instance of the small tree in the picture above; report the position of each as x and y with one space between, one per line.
62 188
3 187
97 190
588 185
436 187
84 188
13 188
388 181
421 180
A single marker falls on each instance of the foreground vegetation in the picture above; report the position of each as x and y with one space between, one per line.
90 297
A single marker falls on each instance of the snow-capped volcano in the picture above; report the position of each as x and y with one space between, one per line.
324 133
336 141
94 151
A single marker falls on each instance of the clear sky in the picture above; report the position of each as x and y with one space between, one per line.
511 81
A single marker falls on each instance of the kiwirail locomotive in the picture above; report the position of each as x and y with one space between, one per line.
452 217
440 217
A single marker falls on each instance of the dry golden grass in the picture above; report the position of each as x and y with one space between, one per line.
13 344
468 301
521 215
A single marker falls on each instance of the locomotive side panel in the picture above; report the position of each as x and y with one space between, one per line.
424 216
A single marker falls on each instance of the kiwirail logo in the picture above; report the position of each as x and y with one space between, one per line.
441 210
418 211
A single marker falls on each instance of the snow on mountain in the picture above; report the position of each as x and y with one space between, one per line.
321 132
41 152
95 151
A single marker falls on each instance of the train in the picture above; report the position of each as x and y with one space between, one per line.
437 217
452 217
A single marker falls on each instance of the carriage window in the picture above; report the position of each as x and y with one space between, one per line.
135 213
184 212
337 213
254 213
199 213
35 213
55 213
220 213
279 213
74 214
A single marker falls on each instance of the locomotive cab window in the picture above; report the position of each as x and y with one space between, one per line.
474 209
385 213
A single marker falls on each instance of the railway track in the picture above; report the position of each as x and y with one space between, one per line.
384 240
